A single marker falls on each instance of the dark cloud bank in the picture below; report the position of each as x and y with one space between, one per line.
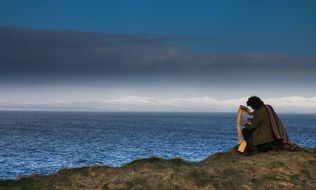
44 54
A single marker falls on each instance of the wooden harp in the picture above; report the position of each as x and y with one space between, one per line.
242 142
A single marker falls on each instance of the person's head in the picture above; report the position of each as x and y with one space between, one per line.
255 102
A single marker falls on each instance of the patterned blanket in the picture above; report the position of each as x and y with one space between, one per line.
277 127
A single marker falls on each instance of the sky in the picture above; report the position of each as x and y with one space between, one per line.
157 55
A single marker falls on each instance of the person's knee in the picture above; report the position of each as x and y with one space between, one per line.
245 131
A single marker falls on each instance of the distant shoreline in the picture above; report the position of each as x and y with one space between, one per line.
148 112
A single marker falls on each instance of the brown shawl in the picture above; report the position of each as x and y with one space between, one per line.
277 126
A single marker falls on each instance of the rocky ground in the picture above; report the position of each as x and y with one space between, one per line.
229 170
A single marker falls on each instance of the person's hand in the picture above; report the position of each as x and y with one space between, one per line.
243 107
243 122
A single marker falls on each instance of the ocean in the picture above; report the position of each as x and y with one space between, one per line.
44 142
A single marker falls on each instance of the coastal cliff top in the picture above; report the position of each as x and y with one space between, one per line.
228 170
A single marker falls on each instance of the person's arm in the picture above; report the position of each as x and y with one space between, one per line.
246 109
250 126
254 123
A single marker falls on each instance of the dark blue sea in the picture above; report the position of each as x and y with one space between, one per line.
44 142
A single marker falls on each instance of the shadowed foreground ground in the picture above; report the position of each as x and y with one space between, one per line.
230 170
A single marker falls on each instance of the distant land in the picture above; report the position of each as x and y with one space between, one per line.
291 104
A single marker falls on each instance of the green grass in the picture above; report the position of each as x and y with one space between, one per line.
200 177
220 171
276 164
25 184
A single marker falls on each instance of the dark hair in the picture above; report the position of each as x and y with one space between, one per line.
255 102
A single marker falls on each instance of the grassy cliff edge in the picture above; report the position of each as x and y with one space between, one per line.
228 170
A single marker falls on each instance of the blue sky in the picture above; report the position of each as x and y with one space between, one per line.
55 51
281 26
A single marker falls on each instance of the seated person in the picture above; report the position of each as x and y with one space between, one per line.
264 131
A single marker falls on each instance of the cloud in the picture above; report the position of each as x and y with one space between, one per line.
68 53
42 54
293 104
